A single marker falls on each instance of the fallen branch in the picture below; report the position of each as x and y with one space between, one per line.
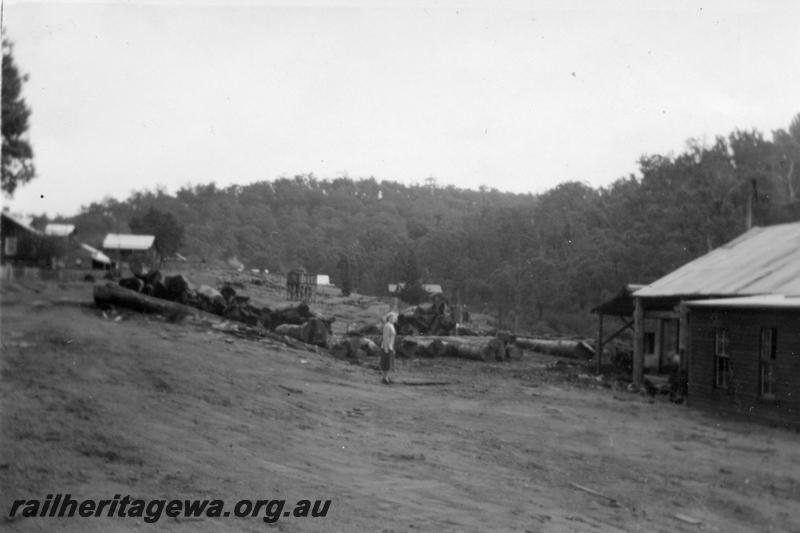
416 383
593 492
687 519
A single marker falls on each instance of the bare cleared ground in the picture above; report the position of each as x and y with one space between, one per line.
97 405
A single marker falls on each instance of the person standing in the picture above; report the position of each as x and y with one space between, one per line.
387 347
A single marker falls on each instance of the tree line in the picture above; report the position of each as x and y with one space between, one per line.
534 261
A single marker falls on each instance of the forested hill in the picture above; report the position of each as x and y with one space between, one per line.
559 252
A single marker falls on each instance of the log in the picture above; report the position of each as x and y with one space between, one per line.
369 347
419 346
425 319
108 293
248 332
298 314
441 325
342 346
464 331
563 348
315 331
134 284
513 352
352 347
476 348
149 277
178 284
227 293
212 299
160 290
360 330
506 336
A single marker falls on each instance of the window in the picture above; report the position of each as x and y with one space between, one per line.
767 356
722 360
11 246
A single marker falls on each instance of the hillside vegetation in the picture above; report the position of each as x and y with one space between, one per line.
545 258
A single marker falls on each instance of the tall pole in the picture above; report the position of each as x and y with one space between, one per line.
599 348
638 342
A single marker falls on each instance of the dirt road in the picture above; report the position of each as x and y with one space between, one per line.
97 406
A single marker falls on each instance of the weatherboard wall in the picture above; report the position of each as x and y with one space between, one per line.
742 397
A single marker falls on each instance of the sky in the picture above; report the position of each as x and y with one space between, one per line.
517 96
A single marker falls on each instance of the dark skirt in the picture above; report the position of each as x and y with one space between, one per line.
387 361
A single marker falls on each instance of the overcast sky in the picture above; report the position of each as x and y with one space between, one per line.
132 95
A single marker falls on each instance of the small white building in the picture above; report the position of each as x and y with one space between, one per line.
59 230
430 288
125 246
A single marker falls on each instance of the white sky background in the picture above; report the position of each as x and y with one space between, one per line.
128 96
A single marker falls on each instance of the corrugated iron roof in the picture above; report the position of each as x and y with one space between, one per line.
59 230
96 254
764 260
766 301
122 241
22 223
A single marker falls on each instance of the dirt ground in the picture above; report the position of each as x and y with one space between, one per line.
100 404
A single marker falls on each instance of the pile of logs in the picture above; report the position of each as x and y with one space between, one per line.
425 346
427 331
355 347
468 347
176 296
315 331
426 319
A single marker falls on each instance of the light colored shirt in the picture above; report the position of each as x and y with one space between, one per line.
387 343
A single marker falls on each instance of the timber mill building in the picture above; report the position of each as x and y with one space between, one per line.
734 316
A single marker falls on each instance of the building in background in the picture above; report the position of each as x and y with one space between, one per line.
137 251
762 261
430 288
22 245
60 230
